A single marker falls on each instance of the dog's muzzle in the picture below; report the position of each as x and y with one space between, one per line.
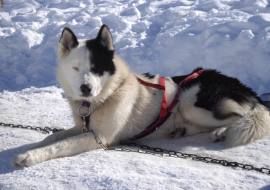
86 90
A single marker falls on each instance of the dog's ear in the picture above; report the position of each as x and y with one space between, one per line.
104 37
67 41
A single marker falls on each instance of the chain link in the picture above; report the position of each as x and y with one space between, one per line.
46 130
144 149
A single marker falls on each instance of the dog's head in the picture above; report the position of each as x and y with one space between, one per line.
85 65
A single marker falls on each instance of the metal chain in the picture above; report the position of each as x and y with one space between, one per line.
45 129
144 149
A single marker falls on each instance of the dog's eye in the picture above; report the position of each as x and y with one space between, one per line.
76 68
95 68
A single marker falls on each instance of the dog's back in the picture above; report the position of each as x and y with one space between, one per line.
234 107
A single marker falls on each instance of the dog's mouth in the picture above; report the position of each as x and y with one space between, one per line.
83 96
85 93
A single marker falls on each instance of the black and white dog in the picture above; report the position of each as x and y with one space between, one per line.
123 105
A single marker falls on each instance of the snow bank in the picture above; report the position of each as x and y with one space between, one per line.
166 37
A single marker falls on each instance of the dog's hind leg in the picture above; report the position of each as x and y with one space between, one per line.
194 111
200 118
241 122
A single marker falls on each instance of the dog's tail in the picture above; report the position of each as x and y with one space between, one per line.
253 126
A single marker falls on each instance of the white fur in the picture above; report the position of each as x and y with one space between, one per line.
79 57
197 115
121 107
253 126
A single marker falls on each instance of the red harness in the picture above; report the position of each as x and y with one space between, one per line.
165 111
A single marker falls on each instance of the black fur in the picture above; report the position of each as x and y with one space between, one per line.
74 38
101 57
148 75
214 87
99 36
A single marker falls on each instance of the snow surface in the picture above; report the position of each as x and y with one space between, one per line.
170 37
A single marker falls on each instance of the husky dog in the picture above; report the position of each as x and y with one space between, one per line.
122 106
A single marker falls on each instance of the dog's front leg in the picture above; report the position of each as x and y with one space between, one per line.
58 136
67 147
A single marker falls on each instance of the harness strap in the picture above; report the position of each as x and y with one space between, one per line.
164 112
186 80
161 86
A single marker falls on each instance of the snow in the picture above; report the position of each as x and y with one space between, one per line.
167 37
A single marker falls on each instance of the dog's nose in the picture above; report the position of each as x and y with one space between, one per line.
85 90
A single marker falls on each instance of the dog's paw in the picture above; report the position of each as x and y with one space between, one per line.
178 132
23 160
218 134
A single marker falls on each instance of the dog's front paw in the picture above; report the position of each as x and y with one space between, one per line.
218 134
23 160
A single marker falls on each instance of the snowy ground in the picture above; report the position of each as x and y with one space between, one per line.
167 37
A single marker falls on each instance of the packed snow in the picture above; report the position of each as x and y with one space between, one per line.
169 37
